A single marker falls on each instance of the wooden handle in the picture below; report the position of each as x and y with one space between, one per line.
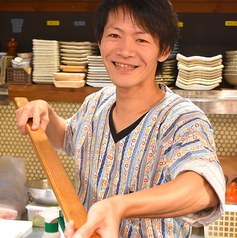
64 191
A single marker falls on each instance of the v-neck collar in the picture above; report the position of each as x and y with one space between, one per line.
120 135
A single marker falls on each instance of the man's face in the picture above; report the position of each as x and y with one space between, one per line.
130 54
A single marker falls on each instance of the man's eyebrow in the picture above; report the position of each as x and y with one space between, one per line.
119 29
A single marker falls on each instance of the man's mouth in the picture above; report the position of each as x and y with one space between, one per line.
125 66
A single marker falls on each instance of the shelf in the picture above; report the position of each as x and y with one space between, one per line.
50 93
200 6
223 101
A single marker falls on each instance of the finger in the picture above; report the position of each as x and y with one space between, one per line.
36 122
21 122
70 229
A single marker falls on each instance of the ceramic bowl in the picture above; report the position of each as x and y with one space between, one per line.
69 84
69 76
231 79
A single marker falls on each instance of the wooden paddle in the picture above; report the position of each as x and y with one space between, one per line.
64 191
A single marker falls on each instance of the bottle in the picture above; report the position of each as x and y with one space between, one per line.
50 216
231 194
12 47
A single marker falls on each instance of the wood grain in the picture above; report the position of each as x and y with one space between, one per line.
61 184
50 93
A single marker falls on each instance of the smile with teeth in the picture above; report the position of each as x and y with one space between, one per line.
125 66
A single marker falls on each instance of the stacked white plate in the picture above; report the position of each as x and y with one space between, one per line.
199 72
45 60
97 75
74 55
169 68
230 67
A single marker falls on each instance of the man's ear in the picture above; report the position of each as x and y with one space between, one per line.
98 45
164 55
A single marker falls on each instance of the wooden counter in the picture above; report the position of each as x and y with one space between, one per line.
50 93
218 101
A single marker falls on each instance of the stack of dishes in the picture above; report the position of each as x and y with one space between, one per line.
230 67
45 60
97 75
168 74
169 68
198 72
69 80
74 55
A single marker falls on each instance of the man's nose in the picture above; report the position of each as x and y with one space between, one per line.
126 48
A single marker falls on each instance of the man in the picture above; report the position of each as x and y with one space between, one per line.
145 157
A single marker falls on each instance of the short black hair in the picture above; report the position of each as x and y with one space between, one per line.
157 17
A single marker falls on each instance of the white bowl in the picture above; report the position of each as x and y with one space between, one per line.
69 76
69 84
25 55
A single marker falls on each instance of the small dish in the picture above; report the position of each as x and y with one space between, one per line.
69 76
69 84
231 79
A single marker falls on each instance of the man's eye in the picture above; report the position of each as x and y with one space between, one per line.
141 40
114 35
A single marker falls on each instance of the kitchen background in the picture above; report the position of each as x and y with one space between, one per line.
204 34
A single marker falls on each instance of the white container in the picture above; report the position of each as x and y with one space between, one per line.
33 210
225 226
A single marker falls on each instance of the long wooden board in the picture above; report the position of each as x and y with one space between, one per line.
64 191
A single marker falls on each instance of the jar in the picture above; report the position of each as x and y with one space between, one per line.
12 47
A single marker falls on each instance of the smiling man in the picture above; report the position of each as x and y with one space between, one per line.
145 158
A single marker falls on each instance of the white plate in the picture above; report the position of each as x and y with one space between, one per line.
201 68
95 64
98 81
77 43
97 69
42 81
195 86
94 78
200 81
75 55
193 64
105 73
72 67
73 47
198 58
100 85
74 59
74 62
75 51
95 57
197 74
43 77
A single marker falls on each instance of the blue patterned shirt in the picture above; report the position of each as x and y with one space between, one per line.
173 137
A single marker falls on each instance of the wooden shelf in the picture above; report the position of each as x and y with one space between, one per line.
219 101
195 6
205 6
50 93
